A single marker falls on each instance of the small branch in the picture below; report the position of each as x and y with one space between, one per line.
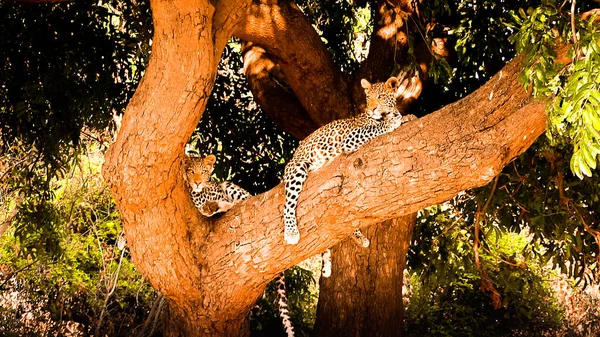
153 316
486 283
13 274
6 223
573 30
109 293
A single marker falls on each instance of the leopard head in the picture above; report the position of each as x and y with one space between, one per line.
198 171
381 98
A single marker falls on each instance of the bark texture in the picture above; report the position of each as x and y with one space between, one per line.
364 292
304 61
212 271
143 167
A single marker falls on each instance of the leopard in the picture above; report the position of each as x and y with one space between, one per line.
212 197
346 135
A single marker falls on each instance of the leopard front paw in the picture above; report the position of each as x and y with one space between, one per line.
209 208
291 238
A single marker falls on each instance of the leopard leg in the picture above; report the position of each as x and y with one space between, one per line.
235 193
360 239
282 304
326 266
294 176
209 208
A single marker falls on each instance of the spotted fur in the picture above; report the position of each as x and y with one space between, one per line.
282 304
211 197
329 141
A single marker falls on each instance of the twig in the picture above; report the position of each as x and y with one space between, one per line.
110 292
568 204
153 316
13 274
486 283
6 223
573 31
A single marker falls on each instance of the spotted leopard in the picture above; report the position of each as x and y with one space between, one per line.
211 197
344 135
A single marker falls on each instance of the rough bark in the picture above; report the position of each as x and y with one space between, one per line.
364 292
212 271
422 163
265 80
143 167
304 61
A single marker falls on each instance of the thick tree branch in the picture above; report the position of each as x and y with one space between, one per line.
267 86
424 162
143 166
307 66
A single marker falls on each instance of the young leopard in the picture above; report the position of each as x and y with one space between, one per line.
329 141
211 197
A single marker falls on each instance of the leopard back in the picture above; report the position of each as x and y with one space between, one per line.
331 140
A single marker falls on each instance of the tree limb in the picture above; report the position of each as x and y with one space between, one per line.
424 162
307 66
282 106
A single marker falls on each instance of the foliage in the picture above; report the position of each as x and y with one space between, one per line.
55 85
250 149
536 197
446 299
69 285
342 26
573 110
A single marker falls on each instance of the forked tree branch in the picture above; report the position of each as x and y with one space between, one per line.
268 87
424 162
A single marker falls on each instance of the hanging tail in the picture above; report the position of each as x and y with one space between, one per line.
282 303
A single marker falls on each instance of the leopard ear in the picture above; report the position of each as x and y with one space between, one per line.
210 160
392 82
365 84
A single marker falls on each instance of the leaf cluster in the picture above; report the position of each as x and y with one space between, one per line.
574 90
55 84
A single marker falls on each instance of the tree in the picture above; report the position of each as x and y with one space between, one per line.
211 271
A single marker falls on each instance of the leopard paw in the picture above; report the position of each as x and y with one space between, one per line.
291 238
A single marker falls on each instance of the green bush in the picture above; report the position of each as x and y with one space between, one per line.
61 277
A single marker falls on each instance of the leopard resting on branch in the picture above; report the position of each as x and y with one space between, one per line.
344 136
211 197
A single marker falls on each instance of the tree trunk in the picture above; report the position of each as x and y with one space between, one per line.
143 167
363 296
212 270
